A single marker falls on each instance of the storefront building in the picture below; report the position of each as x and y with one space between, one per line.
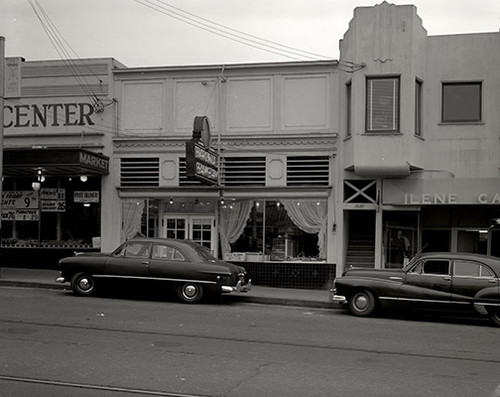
419 152
266 136
300 169
57 141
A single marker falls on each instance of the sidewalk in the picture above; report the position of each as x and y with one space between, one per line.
39 278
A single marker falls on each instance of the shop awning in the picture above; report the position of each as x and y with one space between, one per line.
52 161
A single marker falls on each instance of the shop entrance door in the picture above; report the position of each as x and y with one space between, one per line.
494 242
361 239
472 241
200 229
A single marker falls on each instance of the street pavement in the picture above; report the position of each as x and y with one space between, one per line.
41 278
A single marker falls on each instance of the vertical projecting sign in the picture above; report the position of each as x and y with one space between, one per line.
201 161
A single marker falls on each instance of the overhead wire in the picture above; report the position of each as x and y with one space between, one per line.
229 33
61 46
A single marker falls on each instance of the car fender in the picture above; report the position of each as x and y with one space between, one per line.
487 298
379 286
82 264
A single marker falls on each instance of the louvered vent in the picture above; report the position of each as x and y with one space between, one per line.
307 171
183 180
244 171
140 171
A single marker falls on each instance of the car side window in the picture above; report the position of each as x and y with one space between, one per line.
134 250
486 272
472 269
162 251
437 266
465 268
418 268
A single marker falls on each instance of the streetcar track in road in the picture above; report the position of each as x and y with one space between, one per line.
89 386
268 342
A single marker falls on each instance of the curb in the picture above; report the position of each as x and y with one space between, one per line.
241 298
30 284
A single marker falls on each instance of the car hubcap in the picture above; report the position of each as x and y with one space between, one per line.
84 284
190 291
361 302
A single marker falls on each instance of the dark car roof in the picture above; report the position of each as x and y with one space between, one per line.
490 260
172 241
188 247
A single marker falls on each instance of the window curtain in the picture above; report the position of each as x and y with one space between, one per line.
132 217
309 216
233 220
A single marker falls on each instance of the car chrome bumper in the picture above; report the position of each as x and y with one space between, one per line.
240 287
337 298
61 280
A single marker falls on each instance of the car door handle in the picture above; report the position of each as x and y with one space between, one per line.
145 262
447 278
396 278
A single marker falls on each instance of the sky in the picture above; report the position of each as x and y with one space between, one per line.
161 32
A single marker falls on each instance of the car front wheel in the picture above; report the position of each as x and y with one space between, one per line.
83 284
494 316
190 292
362 303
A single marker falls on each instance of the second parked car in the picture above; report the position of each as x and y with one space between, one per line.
438 279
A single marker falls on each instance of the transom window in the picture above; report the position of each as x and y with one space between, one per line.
461 102
382 104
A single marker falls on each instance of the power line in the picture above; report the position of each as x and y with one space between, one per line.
229 33
61 46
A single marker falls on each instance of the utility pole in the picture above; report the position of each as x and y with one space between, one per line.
2 94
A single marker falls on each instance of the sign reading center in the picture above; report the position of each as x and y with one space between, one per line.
201 161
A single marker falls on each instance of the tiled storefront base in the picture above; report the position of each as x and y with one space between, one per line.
305 275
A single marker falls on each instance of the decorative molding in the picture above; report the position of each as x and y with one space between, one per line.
323 140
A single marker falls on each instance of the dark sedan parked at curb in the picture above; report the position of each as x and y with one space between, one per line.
189 267
436 279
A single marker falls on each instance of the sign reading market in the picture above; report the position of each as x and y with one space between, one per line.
202 162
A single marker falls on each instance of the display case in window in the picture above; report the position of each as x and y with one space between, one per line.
283 248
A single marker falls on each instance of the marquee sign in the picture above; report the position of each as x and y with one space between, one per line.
442 192
202 163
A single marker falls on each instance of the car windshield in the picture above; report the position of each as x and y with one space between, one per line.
204 253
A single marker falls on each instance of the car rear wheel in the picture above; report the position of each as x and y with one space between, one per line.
190 292
362 303
494 317
83 284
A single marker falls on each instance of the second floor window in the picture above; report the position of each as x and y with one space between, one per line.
418 108
461 102
382 104
348 115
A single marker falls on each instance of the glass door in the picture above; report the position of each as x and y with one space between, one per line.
175 227
472 241
200 229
